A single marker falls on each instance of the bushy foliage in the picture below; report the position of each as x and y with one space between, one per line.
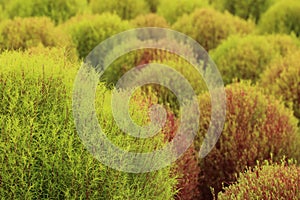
267 181
150 20
59 10
247 57
87 31
209 27
186 169
173 9
282 17
282 78
245 9
126 9
257 127
42 155
23 33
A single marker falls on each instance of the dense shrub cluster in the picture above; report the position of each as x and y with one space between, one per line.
126 9
248 57
267 181
87 31
42 155
173 9
245 9
282 17
23 33
282 78
209 27
59 10
256 127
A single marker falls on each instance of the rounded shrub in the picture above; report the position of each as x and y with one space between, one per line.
210 27
173 9
251 9
23 33
58 11
257 127
282 17
150 20
247 57
282 78
267 181
87 31
42 154
126 9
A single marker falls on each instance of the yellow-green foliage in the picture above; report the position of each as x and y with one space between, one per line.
42 155
173 9
282 17
267 181
245 9
126 9
58 10
247 57
150 20
87 31
23 33
210 27
282 78
256 126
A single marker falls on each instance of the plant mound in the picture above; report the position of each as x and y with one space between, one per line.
281 78
210 27
268 181
173 9
126 9
282 17
257 127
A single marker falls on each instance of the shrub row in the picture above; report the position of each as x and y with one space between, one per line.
23 33
58 11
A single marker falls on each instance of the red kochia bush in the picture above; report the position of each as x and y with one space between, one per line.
256 127
186 168
269 181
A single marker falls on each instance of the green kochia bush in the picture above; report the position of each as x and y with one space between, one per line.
42 155
282 78
59 10
247 57
209 27
257 128
173 9
282 17
267 181
246 9
87 31
126 9
23 33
